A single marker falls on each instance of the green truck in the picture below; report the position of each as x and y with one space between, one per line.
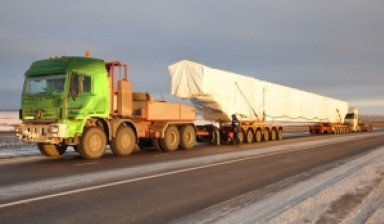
88 103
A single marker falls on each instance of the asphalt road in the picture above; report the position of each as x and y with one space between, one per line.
160 187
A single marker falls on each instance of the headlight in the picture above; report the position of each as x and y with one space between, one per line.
18 129
54 129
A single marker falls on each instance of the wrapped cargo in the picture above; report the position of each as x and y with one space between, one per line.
218 94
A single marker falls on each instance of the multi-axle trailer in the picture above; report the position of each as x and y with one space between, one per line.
88 103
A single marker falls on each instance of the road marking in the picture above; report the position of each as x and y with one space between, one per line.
164 154
84 164
39 198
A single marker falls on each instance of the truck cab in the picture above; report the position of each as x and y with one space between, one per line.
58 95
355 124
352 119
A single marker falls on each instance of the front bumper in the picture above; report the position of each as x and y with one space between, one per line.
47 133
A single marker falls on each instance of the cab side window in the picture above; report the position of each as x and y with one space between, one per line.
74 88
80 84
86 84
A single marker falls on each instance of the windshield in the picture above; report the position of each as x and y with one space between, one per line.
52 84
350 116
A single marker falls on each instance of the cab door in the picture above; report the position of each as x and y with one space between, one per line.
80 102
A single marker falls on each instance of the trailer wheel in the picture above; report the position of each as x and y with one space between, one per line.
241 137
92 143
187 137
249 136
273 134
51 150
266 135
171 140
124 141
258 136
280 134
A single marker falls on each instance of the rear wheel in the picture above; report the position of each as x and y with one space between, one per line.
124 141
266 135
51 150
92 143
171 140
258 135
249 136
187 137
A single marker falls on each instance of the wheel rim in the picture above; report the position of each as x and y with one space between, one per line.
126 140
172 138
241 137
266 136
95 143
273 134
249 136
189 137
280 136
258 136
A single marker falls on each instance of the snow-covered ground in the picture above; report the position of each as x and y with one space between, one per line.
352 192
8 119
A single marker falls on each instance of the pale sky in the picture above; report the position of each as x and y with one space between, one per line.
333 48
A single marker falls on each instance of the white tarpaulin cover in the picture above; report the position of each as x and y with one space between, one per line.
218 94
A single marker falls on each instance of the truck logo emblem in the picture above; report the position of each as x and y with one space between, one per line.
37 114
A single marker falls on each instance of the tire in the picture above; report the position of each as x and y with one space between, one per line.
266 135
51 150
241 137
124 141
249 136
156 144
92 143
187 137
171 140
273 134
280 134
258 136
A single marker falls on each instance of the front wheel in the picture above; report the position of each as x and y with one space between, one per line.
92 143
51 150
